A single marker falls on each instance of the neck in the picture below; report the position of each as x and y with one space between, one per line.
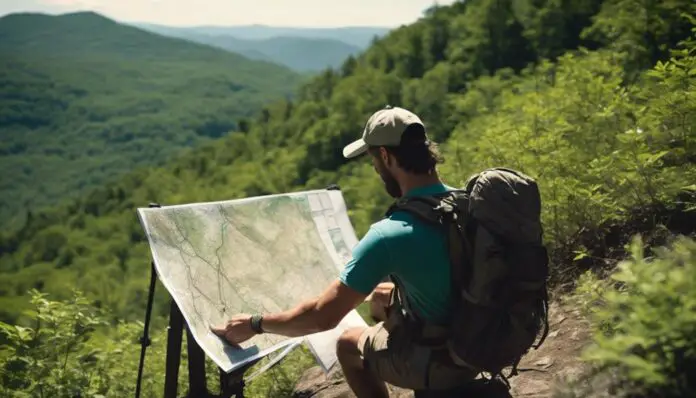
417 181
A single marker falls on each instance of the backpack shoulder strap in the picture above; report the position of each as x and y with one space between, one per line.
429 208
423 207
449 211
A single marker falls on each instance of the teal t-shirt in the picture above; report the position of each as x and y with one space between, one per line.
415 252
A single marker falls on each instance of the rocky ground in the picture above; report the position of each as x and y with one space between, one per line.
541 372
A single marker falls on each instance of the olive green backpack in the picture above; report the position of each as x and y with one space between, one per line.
499 266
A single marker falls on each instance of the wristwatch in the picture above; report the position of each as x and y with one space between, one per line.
255 321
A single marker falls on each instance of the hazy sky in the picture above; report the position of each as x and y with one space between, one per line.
237 12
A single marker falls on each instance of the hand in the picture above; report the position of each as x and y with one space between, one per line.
382 294
379 301
237 330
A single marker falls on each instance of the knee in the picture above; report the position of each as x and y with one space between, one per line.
347 343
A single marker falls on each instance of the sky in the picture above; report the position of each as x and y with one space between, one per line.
306 13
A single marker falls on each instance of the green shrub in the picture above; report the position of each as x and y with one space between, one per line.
69 350
644 320
51 358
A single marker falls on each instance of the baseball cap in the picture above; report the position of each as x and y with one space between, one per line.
383 128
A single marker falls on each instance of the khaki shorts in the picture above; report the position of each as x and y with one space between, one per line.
397 361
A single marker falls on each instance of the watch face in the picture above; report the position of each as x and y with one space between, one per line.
256 323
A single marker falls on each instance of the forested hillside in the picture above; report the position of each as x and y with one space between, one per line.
595 99
84 99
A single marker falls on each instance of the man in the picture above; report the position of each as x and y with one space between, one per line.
413 253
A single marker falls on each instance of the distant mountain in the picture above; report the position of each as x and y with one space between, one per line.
360 37
311 52
84 99
299 53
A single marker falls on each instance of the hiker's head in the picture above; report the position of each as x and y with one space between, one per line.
397 142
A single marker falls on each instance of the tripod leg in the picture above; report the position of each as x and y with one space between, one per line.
231 385
145 339
176 329
196 367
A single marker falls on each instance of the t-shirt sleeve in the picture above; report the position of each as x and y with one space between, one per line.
369 264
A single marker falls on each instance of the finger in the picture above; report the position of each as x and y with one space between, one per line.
226 335
218 330
230 340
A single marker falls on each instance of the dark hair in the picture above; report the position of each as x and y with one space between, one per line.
415 153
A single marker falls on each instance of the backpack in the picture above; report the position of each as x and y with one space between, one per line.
499 266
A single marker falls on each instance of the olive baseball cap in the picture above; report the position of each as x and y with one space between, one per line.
383 128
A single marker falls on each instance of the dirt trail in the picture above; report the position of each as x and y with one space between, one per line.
539 372
557 359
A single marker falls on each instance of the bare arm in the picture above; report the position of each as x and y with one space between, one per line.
315 315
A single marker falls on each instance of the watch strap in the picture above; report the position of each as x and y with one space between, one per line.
255 322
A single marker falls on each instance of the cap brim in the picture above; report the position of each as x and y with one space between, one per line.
355 148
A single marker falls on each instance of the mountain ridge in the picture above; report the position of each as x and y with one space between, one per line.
359 36
303 50
296 48
85 96
303 54
63 33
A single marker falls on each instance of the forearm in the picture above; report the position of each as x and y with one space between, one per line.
304 319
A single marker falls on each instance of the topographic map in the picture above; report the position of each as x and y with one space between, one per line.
260 254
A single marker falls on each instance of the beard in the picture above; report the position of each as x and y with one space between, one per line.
390 184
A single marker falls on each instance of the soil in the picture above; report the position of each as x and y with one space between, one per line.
541 371
656 224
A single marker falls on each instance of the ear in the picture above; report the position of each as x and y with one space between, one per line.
384 156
